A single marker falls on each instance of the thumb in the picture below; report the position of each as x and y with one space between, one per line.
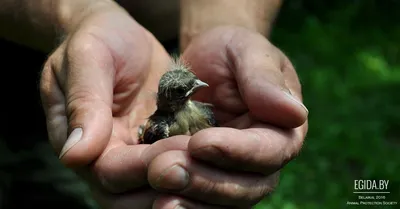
86 77
265 81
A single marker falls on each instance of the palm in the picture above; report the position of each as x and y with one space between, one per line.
223 93
140 61
133 102
243 70
133 95
130 59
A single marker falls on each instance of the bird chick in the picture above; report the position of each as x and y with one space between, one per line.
176 113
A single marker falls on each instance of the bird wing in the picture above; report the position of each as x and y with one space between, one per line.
207 112
154 130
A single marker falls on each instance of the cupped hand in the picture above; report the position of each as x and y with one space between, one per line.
97 87
257 100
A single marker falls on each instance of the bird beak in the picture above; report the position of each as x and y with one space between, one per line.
197 85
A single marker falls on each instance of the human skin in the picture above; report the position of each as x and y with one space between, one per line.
255 91
96 87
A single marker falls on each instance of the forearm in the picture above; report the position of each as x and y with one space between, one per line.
40 23
200 15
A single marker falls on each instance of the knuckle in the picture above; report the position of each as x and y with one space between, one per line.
103 177
84 44
287 156
269 187
77 100
297 148
236 194
87 51
209 187
48 85
45 78
286 64
292 152
109 184
297 145
50 70
80 44
107 179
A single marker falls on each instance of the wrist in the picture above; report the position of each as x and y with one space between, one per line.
198 16
72 13
40 24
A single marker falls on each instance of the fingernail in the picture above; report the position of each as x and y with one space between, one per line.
179 207
73 138
173 178
288 94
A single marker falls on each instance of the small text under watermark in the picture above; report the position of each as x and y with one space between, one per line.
371 192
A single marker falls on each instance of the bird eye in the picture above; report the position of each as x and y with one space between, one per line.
180 91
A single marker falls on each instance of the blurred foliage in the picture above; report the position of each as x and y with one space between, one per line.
347 55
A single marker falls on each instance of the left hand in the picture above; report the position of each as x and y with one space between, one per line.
257 98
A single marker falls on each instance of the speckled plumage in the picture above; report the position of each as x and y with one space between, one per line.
176 114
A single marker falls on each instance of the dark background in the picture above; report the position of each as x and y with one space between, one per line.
347 54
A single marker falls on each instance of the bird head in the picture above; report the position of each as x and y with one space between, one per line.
176 87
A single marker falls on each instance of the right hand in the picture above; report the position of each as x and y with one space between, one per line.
96 90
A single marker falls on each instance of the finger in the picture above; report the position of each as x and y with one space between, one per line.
177 172
260 148
114 169
87 77
139 199
120 168
257 67
53 102
176 202
161 146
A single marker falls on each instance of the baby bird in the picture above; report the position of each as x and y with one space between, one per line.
176 113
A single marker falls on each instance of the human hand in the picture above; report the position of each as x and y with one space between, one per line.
256 94
96 90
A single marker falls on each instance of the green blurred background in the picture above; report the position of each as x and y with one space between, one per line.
347 54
